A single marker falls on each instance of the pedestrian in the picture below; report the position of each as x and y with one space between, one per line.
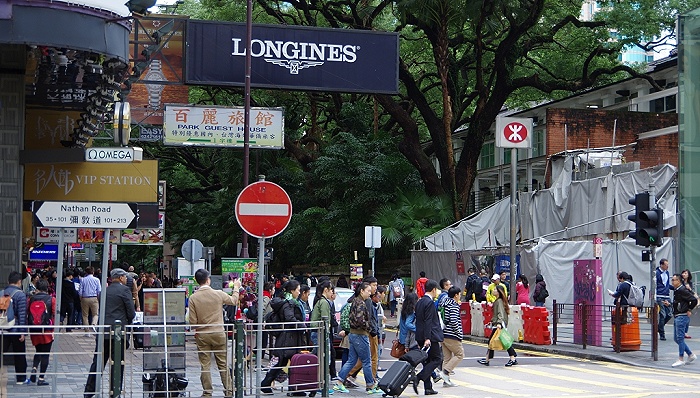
420 284
359 341
396 290
687 280
490 291
373 324
13 347
540 288
522 291
41 305
683 302
68 296
305 292
663 296
342 282
473 288
290 338
206 313
323 307
452 349
377 300
429 335
445 285
623 288
90 288
499 320
407 327
119 307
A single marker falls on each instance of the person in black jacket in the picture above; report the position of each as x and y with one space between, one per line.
68 299
428 335
683 302
623 288
288 341
119 307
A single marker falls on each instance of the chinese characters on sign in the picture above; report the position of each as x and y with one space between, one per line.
223 126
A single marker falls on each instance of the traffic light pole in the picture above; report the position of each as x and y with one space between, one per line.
652 285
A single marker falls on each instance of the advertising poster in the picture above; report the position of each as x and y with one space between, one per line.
145 236
246 269
356 272
156 310
86 235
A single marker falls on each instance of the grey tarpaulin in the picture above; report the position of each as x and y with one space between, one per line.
438 265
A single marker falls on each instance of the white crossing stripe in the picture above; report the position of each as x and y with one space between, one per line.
263 209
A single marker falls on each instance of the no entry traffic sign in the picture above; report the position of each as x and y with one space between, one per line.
263 209
513 132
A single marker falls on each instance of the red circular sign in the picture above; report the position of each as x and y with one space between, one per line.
515 132
263 209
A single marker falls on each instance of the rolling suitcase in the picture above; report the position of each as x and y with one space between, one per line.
303 374
396 379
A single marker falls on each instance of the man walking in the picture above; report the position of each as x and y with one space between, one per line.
206 309
90 288
13 347
428 334
68 297
119 307
683 302
663 298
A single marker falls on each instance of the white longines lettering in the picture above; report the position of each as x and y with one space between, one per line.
296 56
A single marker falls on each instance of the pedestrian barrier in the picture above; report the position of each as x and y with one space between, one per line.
477 318
516 327
465 316
488 314
536 326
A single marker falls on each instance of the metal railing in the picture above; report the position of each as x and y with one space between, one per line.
163 362
620 327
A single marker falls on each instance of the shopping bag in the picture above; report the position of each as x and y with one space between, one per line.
397 349
505 338
495 342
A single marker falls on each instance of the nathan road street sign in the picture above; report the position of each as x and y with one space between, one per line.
263 209
85 214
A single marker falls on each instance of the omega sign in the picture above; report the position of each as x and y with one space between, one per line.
342 60
117 154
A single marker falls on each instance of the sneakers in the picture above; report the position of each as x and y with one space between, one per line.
512 362
662 338
42 383
320 392
678 363
351 381
691 358
266 391
374 390
436 378
340 388
483 361
447 382
26 382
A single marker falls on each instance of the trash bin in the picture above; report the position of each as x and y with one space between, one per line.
630 339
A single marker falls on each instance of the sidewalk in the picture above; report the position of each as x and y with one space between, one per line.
668 350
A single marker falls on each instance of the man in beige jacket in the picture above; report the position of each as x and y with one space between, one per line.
206 314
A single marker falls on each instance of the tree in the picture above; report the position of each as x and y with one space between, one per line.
461 62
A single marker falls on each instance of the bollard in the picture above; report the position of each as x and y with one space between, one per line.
584 324
325 353
555 320
115 383
238 360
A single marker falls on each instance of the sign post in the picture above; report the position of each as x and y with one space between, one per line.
263 210
513 133
373 240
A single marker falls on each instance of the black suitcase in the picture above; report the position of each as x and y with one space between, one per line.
399 375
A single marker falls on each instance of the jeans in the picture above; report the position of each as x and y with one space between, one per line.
539 303
393 304
665 315
359 348
679 324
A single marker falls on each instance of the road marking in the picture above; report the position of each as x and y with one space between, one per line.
499 377
652 371
574 379
618 375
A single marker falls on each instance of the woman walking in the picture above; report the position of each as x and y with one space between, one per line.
323 307
396 290
522 289
40 310
452 349
540 289
288 342
500 321
687 281
407 327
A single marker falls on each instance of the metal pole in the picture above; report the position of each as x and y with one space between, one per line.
373 265
57 313
103 303
513 215
652 285
238 361
192 256
246 109
326 351
261 283
116 385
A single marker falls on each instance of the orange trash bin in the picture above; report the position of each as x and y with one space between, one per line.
630 339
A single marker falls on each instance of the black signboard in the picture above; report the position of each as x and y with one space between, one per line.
293 57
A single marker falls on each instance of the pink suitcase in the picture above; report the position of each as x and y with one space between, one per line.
303 373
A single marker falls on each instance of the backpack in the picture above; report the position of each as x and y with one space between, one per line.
345 317
397 290
542 296
635 298
39 312
274 318
7 310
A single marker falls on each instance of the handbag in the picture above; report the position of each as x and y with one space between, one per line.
415 357
397 349
495 342
506 339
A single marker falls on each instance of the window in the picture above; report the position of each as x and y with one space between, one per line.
487 156
663 105
538 143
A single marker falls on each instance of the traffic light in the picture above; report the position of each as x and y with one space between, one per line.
653 231
641 205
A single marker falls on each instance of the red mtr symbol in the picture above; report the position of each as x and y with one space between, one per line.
515 132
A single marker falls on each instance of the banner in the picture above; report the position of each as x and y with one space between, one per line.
246 269
293 57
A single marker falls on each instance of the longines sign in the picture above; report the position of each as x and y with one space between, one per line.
293 57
